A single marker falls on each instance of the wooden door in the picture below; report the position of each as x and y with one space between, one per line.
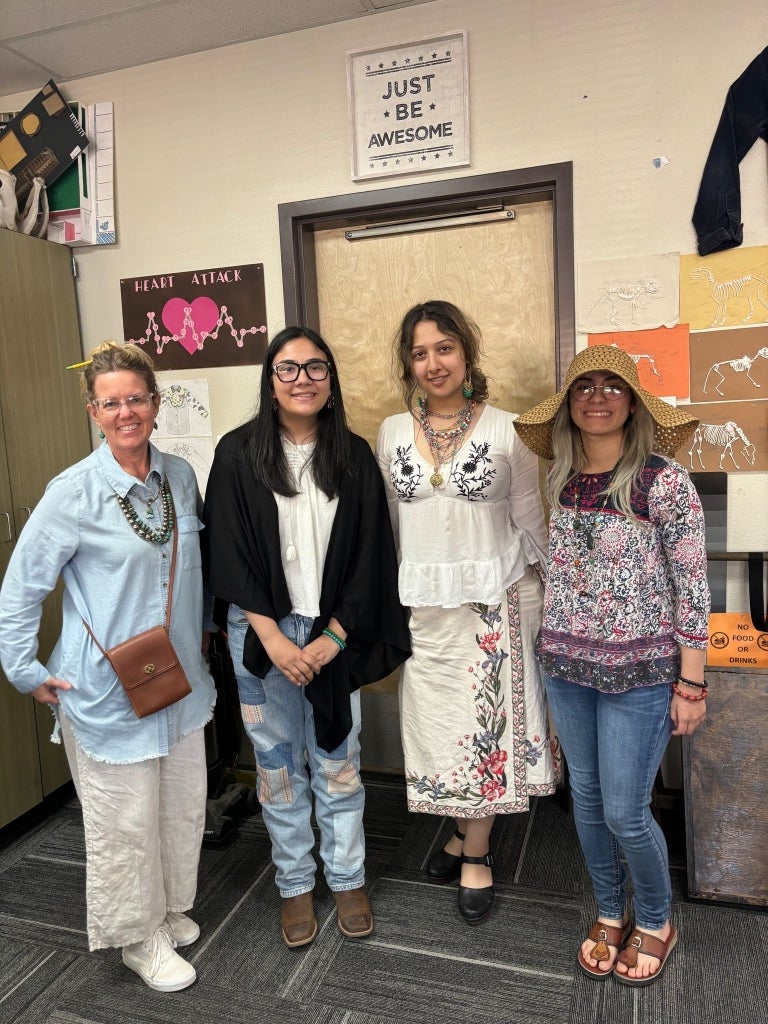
45 423
20 780
501 274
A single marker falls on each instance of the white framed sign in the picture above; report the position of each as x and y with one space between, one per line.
409 107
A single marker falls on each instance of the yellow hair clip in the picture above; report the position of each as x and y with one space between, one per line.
79 366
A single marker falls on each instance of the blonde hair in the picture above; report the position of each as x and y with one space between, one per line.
570 459
109 357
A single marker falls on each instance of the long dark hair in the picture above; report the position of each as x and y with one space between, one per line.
263 444
451 321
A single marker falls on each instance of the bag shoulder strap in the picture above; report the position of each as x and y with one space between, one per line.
169 602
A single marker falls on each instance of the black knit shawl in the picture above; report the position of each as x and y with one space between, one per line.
359 585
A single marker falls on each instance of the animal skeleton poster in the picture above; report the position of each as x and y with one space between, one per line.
629 294
728 289
731 437
196 318
730 365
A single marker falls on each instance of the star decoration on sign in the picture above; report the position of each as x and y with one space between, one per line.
434 56
431 106
386 113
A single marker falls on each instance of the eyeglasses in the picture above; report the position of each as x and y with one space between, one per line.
315 369
610 392
135 403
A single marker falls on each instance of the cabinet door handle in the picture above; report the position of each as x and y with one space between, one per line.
6 516
27 509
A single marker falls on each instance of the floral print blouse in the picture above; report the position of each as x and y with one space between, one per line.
621 595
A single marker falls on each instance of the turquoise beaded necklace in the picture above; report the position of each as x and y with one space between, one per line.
144 530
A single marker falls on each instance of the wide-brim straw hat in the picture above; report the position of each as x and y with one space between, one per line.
673 426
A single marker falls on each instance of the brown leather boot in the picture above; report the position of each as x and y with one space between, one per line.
298 920
354 913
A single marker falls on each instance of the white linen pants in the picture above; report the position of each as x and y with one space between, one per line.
143 831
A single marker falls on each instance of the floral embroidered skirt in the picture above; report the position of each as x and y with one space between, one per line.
473 713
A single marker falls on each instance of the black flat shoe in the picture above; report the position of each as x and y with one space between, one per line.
444 868
475 904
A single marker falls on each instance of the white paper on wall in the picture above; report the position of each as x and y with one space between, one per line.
628 294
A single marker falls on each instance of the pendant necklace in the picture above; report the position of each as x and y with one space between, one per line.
297 458
585 524
149 502
443 444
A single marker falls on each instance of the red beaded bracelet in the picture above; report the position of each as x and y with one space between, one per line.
686 696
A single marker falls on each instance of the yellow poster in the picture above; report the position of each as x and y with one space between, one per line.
735 643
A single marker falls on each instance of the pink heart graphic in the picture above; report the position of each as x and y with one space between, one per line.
204 316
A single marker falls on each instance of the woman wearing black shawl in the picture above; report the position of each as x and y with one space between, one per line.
301 548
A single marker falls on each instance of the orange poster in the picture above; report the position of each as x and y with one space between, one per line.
661 356
734 642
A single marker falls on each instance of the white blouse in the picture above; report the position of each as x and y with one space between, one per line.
305 522
472 538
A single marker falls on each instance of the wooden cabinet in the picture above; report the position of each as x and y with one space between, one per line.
43 429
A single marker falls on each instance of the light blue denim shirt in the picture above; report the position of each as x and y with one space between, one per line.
118 583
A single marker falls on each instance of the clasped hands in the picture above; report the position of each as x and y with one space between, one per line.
300 665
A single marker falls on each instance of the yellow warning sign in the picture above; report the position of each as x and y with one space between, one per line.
735 643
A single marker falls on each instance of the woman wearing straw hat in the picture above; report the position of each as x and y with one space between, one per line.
624 634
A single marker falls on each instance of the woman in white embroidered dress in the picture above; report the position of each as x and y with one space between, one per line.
465 501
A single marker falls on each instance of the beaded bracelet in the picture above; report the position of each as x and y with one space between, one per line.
336 639
686 696
690 682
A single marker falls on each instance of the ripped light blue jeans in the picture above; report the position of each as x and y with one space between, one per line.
279 722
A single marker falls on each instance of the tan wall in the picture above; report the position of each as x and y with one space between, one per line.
208 145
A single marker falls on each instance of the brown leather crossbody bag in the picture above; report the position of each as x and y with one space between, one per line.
147 664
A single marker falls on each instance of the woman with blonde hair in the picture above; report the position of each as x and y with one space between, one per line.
118 528
624 635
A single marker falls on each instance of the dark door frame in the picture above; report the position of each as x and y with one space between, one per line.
553 182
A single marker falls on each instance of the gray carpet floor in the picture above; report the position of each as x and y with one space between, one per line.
422 965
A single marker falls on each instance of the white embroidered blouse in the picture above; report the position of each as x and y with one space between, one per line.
471 539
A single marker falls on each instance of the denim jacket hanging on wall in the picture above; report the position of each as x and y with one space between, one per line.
717 214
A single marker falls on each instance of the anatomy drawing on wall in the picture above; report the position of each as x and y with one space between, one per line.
731 437
195 318
184 409
727 289
729 364
184 424
198 451
633 293
661 357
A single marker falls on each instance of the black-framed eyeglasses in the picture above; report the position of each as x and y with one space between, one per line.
610 392
136 403
288 371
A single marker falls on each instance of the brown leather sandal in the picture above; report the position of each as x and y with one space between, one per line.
604 936
641 942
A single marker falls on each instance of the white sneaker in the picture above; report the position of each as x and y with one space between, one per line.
156 961
184 931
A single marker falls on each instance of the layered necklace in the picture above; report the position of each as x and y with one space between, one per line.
444 443
162 534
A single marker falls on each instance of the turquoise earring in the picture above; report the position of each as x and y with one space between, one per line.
101 434
467 389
